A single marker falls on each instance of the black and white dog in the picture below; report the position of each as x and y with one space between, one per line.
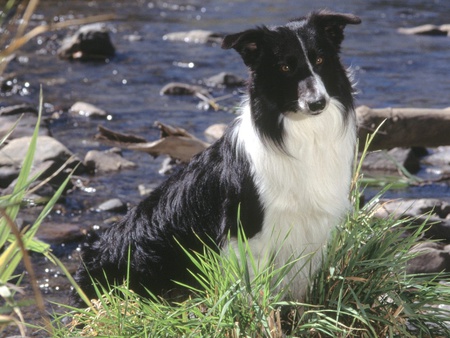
284 165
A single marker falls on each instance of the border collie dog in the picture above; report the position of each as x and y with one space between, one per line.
284 166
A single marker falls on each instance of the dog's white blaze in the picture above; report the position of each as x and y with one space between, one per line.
305 193
319 85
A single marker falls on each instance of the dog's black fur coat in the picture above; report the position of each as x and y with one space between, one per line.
201 202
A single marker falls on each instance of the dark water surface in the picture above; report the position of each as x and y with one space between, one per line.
391 70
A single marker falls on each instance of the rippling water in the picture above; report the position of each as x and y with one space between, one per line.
391 70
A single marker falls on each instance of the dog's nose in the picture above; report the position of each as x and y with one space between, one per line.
318 105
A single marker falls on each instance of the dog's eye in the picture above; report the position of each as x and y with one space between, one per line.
319 60
285 68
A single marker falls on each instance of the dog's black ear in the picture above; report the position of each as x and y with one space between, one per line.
248 44
333 24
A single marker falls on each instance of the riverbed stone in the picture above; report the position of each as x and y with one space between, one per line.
386 161
26 118
430 257
414 208
178 88
430 211
225 79
48 149
439 157
194 36
90 42
88 110
56 233
106 161
428 29
112 205
215 131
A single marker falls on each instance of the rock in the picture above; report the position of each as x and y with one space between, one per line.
413 208
429 211
215 131
56 233
28 120
443 30
168 166
90 42
113 205
440 157
144 190
48 149
178 88
194 36
17 110
106 161
224 79
87 110
389 161
431 258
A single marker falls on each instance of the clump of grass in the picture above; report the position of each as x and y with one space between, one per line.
361 290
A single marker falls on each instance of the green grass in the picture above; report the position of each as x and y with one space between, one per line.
361 290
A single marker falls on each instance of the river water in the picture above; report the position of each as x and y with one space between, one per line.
392 70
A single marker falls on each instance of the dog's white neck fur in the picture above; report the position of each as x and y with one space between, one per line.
305 193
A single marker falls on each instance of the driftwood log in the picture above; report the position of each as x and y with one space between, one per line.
175 142
404 127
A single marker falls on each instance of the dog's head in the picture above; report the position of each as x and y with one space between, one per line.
295 68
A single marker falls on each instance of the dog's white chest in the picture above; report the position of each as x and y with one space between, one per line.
304 191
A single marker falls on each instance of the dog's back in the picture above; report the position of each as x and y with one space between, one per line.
285 164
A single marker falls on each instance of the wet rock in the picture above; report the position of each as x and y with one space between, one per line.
178 88
440 157
55 233
48 149
431 258
87 110
215 131
113 205
17 110
224 79
388 161
194 36
25 127
414 208
106 161
90 42
430 211
443 30
144 190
